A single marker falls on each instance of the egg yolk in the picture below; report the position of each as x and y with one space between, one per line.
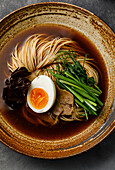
38 98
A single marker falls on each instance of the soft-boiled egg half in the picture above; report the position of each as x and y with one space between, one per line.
41 94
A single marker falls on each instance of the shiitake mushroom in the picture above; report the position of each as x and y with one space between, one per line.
16 87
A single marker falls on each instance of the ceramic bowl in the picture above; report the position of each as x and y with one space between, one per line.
102 36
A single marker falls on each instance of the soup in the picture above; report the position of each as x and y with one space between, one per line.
16 117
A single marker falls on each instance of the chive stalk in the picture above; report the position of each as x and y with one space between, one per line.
75 94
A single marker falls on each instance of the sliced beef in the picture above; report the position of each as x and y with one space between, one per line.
46 119
57 109
66 100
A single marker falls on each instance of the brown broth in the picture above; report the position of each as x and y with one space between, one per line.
15 117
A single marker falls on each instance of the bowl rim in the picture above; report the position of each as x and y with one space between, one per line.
61 3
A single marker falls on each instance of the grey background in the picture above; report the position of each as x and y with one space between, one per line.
102 156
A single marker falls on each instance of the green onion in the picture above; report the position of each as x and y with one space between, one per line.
95 104
86 114
74 79
85 107
83 85
92 107
75 94
68 83
85 94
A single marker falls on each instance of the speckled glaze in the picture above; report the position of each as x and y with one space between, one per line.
103 38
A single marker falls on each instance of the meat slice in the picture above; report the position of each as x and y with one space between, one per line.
51 116
48 118
57 109
66 100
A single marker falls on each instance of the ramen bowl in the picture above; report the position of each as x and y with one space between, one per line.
102 37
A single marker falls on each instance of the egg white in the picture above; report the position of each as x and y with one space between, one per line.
45 83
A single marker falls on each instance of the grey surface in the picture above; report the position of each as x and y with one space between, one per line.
102 156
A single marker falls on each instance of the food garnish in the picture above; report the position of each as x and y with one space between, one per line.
16 87
41 94
73 78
